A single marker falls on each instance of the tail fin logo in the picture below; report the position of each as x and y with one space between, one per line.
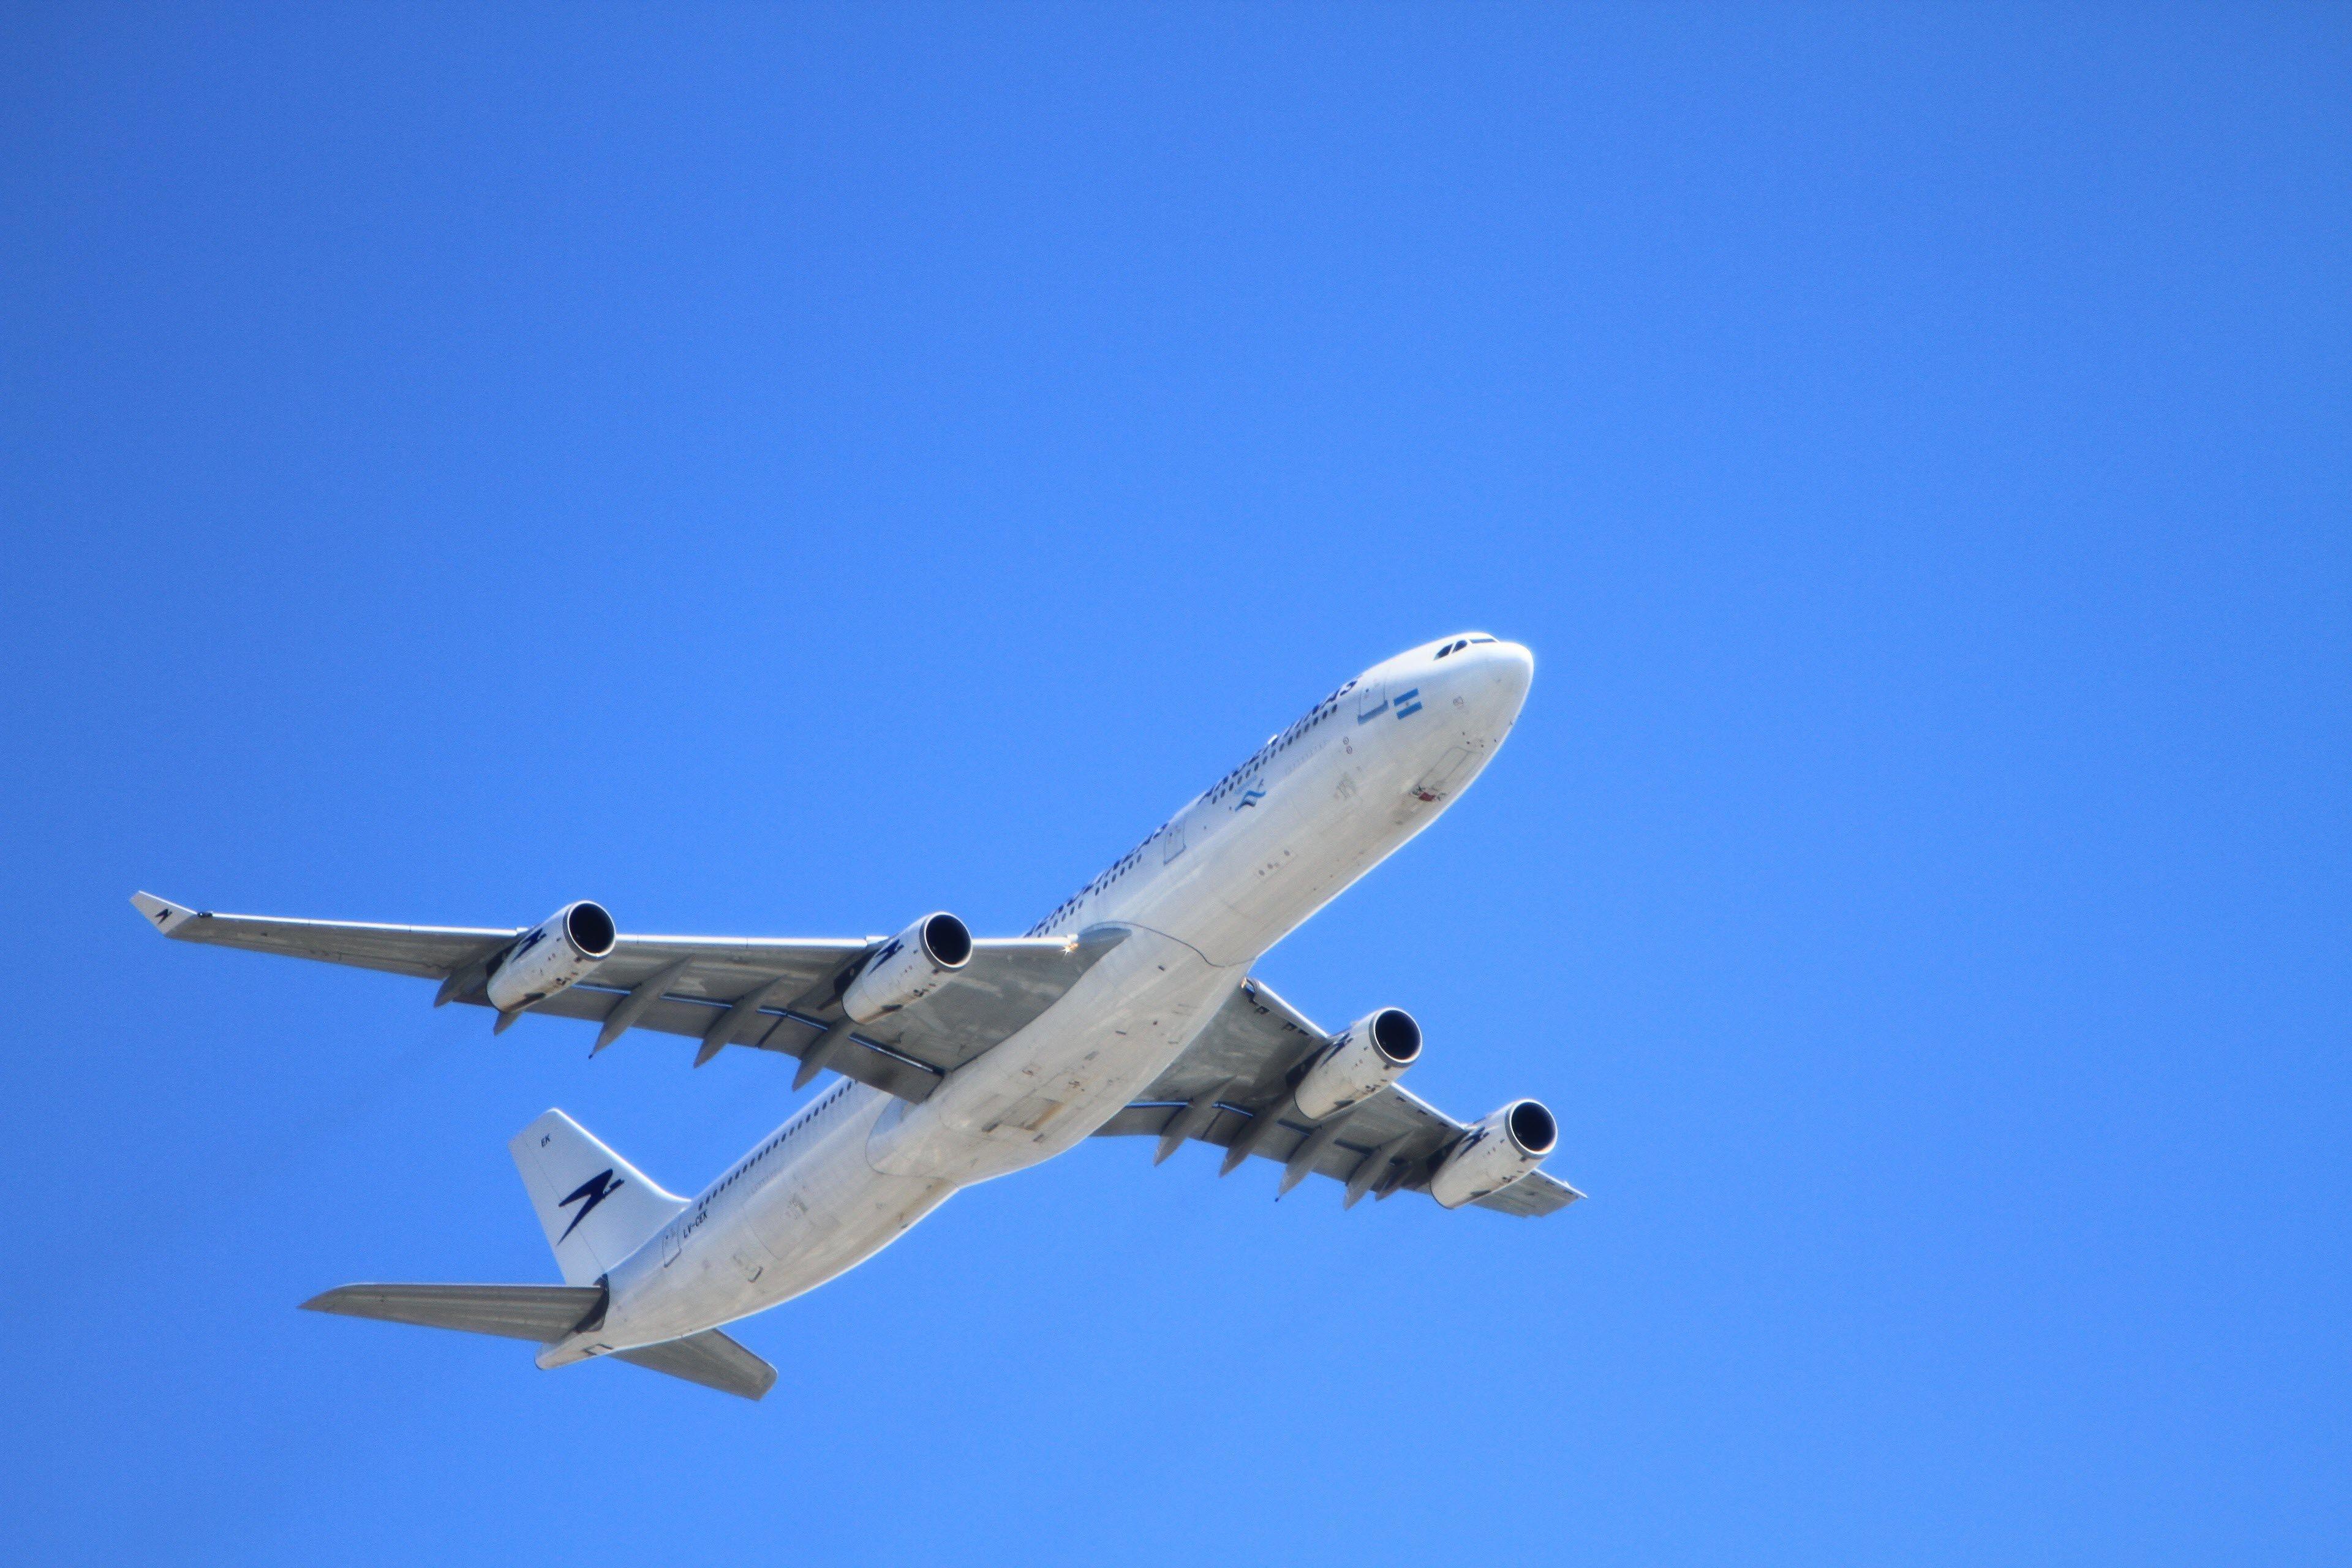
596 1190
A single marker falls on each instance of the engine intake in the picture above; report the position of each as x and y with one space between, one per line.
908 967
1495 1153
558 951
1371 1055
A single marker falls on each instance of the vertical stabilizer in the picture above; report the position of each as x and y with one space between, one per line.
595 1207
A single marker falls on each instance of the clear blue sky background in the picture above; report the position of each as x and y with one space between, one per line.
781 471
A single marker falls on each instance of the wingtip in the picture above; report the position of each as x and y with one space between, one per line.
162 914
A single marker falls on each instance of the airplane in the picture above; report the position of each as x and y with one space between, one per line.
1130 1009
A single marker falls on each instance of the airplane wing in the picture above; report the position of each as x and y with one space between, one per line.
1231 1088
778 995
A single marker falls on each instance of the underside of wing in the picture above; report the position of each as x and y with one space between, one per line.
1235 1088
1536 1193
708 1358
424 952
546 1313
781 995
540 1312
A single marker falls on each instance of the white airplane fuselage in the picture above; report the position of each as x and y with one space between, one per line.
1238 869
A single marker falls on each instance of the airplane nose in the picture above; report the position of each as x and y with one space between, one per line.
1504 671
1515 669
1490 681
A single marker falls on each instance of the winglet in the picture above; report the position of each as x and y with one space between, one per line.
166 916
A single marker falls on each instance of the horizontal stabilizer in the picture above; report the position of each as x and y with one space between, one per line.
542 1313
548 1313
708 1358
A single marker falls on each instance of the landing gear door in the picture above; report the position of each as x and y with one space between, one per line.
1371 700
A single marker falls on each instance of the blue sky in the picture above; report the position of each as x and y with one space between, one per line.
783 470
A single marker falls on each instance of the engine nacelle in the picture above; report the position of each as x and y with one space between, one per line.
908 967
1372 1054
1495 1153
550 955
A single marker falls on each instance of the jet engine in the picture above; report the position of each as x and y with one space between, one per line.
1495 1153
1372 1054
908 967
553 954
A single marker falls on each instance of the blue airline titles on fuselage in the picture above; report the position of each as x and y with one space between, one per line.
1404 705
